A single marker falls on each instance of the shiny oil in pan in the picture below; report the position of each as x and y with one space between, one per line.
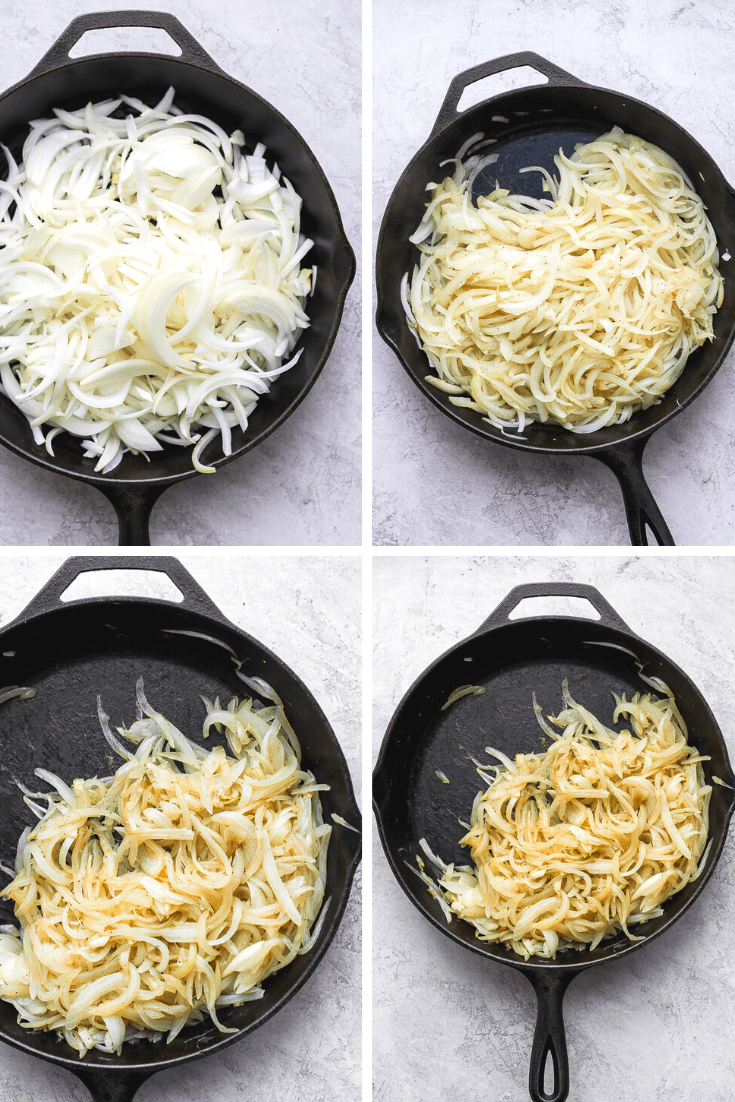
518 152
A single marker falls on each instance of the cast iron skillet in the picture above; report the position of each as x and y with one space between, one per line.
203 88
513 659
71 651
541 120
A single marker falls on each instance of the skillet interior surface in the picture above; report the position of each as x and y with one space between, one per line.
210 92
103 646
512 663
529 126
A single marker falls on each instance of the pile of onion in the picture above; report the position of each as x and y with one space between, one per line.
579 309
150 279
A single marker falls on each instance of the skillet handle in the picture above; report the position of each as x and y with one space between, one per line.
112 1084
133 505
556 76
626 463
549 1040
195 599
608 616
58 54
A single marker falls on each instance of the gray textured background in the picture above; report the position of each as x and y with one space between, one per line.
301 485
649 1028
307 610
436 482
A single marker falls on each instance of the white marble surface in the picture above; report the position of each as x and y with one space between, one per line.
650 1028
307 609
437 483
301 486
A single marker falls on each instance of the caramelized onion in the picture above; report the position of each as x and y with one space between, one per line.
594 835
148 899
579 309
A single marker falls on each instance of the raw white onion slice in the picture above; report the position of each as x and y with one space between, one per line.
150 279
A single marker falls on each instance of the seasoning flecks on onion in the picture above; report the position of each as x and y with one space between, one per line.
152 898
580 309
587 839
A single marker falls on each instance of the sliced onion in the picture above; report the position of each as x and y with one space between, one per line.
580 309
144 257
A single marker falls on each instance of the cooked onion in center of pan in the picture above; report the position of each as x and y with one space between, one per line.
150 279
587 839
154 897
579 309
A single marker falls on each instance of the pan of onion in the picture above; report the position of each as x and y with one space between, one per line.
437 781
221 723
514 177
173 267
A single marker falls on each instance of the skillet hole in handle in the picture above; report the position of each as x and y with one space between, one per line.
608 617
448 111
58 54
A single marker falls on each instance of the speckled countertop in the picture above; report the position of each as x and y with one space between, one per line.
649 1028
306 609
437 483
301 486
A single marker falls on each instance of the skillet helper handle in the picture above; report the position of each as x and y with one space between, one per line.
556 76
549 1040
58 54
112 1084
501 615
133 505
195 598
626 463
